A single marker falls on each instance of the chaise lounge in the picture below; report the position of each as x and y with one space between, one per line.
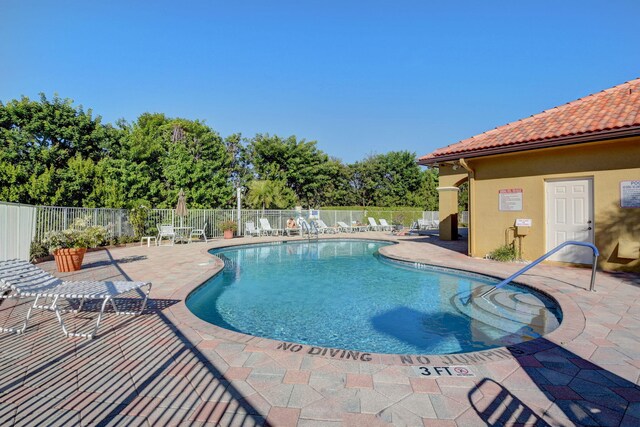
21 279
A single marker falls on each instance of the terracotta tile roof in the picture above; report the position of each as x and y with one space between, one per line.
617 108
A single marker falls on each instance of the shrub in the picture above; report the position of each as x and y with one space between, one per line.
38 250
505 253
138 218
79 235
228 225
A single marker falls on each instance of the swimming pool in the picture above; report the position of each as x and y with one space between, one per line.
343 294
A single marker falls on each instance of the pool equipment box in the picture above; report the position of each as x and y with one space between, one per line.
522 226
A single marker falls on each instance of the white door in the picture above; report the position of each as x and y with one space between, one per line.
570 217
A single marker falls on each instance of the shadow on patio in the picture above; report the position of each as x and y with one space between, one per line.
139 370
560 388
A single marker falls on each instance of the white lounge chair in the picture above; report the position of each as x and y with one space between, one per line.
199 232
250 229
373 225
344 227
165 231
294 230
357 227
384 225
323 228
266 228
23 279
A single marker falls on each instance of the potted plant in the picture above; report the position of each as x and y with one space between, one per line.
69 246
228 228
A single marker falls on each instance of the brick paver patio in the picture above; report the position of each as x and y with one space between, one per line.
167 367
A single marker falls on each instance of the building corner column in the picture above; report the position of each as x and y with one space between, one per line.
448 211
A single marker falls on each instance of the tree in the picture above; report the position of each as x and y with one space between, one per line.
160 155
300 164
44 144
266 194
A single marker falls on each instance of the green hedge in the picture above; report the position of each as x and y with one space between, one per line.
404 215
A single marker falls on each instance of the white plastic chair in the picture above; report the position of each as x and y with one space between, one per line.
266 228
374 225
356 227
199 232
294 230
165 231
344 227
384 225
323 228
250 229
23 279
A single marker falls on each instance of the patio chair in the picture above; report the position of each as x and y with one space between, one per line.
165 231
373 225
384 225
358 227
199 232
266 228
323 228
344 227
21 279
250 229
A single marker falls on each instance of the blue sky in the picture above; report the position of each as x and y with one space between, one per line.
358 77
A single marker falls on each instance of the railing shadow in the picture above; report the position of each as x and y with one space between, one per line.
579 392
139 370
504 409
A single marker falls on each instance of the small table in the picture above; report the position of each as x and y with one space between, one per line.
148 239
183 234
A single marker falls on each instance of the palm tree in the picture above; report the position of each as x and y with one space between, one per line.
270 194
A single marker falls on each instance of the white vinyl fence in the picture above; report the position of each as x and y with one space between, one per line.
17 230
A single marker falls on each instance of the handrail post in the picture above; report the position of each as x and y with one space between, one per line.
596 253
593 272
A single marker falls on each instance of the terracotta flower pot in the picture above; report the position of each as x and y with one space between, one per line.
228 234
69 259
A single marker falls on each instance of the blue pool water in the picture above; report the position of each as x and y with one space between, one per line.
342 294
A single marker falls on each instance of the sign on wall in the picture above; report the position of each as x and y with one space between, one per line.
510 199
630 194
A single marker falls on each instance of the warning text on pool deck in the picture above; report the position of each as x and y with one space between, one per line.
449 360
443 371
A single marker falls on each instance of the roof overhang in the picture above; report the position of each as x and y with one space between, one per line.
533 145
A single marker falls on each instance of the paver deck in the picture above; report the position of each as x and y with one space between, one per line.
167 367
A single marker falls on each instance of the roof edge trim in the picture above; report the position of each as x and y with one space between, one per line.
548 143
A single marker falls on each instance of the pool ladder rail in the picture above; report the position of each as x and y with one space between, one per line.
596 254
309 228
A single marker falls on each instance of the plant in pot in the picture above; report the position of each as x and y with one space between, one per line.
69 246
228 228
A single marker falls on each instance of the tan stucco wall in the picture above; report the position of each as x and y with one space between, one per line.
449 180
607 163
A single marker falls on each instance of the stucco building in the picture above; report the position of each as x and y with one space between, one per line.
568 173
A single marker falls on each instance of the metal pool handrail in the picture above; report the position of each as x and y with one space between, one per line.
596 254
